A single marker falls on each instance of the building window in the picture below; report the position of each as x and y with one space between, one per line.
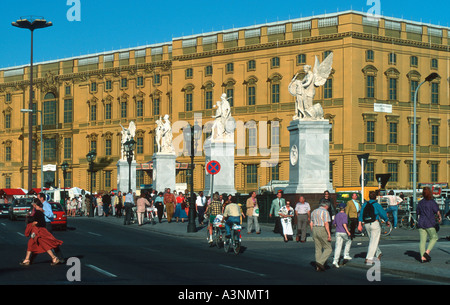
67 148
7 182
413 84
275 134
370 55
49 112
251 65
328 88
414 61
301 59
392 58
140 178
93 112
139 145
208 98
139 108
8 153
124 83
156 106
108 111
108 147
275 88
393 133
370 171
208 70
392 89
229 68
189 73
412 133
434 63
123 110
140 81
67 90
188 102
252 136
370 86
411 171
370 131
435 135
251 95
326 53
230 96
93 87
8 97
434 172
49 150
107 179
7 120
108 85
252 174
157 79
434 93
275 62
393 170
68 106
93 145
275 172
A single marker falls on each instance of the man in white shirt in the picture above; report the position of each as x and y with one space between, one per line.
393 202
201 206
303 214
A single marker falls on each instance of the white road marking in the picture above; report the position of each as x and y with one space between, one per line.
243 270
21 234
94 234
101 271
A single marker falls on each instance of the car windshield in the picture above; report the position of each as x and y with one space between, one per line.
56 206
23 202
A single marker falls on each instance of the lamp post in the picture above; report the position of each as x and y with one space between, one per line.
32 23
91 158
64 167
42 146
129 148
192 135
429 78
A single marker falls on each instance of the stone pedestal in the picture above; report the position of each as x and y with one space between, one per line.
164 171
123 175
222 152
309 160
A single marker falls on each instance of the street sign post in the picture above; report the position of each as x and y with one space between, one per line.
213 168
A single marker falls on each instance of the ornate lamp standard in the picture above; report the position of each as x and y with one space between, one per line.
429 78
192 135
91 158
64 167
129 151
32 23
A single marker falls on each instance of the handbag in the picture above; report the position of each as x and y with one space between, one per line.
256 212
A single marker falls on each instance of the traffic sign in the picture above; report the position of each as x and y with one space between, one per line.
213 167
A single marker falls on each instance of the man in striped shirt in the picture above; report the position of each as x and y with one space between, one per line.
320 228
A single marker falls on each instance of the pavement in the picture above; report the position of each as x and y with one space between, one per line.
400 258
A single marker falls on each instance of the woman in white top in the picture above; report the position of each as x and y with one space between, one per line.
286 213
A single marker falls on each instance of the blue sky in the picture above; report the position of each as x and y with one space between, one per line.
114 24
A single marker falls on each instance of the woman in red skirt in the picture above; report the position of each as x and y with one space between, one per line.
41 240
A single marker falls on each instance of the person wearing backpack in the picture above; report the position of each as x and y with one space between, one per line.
371 211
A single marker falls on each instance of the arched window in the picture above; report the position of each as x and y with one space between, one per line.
50 109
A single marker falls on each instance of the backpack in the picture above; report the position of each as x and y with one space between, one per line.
369 213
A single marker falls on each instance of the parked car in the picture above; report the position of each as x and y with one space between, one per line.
20 207
4 209
59 216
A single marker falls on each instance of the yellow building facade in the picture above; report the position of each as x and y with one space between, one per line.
368 99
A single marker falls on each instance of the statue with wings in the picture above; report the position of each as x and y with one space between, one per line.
305 90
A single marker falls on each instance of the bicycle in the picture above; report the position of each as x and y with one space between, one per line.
234 241
408 221
218 230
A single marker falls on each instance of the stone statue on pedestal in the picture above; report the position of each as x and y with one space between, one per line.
224 124
127 134
163 135
305 90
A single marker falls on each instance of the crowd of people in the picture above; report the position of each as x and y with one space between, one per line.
344 218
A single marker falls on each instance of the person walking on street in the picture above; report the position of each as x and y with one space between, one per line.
393 202
252 214
352 210
330 203
428 212
277 204
128 207
118 204
286 214
141 206
169 202
201 206
159 205
342 235
303 215
371 212
320 221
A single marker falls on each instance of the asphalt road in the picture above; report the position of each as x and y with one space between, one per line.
113 254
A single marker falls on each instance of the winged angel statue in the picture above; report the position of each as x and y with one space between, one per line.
305 90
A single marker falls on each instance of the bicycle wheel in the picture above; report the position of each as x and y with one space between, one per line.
236 242
407 223
216 237
227 244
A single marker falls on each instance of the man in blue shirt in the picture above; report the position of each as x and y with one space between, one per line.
372 226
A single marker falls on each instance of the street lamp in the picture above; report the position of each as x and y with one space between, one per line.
91 158
429 78
32 23
129 148
192 135
42 145
64 167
